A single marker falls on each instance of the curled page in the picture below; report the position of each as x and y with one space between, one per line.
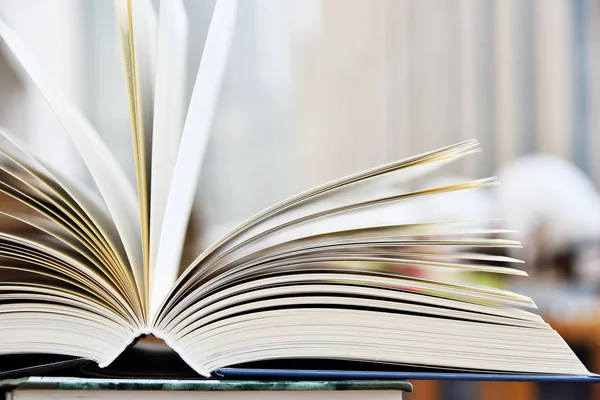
136 20
169 111
191 150
109 177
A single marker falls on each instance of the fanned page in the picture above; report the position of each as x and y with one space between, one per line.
194 140
101 245
136 21
117 194
338 272
335 272
169 112
71 278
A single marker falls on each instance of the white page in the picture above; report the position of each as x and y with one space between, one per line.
93 208
169 111
396 211
145 33
369 184
347 190
84 203
191 151
137 24
108 175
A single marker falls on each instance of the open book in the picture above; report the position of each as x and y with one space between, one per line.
327 274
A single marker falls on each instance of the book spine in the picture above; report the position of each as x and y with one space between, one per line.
158 335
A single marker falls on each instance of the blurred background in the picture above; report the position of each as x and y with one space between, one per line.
316 89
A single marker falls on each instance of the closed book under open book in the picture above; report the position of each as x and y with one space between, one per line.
34 388
328 275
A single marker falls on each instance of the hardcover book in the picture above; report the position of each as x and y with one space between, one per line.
327 276
34 388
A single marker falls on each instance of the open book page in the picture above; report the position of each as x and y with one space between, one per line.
50 298
62 287
347 190
53 261
304 213
87 222
360 214
337 272
342 192
169 112
194 140
116 191
407 256
136 20
313 327
276 310
338 280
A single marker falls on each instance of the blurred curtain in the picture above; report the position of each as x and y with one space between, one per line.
388 78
